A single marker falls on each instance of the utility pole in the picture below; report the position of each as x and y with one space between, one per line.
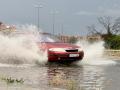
53 21
62 31
38 13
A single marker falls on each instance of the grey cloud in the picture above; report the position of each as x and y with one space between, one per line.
107 12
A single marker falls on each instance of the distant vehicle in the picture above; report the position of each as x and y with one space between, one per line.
59 51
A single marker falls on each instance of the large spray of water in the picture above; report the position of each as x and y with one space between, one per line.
94 53
20 47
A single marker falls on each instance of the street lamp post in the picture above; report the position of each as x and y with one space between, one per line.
53 23
38 13
53 20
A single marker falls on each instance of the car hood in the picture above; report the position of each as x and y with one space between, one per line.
60 45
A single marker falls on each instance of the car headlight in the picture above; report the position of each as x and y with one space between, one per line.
80 49
57 49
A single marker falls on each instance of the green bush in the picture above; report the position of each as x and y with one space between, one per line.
112 42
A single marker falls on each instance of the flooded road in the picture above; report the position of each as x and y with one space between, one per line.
23 67
56 76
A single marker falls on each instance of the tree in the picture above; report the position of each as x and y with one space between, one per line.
110 31
110 26
92 30
113 42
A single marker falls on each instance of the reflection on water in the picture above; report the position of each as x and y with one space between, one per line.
77 78
93 78
54 77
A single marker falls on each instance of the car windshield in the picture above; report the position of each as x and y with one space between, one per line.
48 38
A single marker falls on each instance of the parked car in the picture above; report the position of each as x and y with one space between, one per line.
59 51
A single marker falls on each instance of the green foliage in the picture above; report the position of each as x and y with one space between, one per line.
12 80
112 42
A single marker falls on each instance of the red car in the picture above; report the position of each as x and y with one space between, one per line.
58 51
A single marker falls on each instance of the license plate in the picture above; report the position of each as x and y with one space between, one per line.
73 55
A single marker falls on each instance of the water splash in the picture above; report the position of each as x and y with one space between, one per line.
20 48
93 53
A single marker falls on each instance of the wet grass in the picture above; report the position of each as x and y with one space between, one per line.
10 80
60 81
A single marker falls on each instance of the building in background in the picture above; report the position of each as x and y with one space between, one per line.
74 39
4 28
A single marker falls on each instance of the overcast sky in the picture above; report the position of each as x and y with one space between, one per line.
74 15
